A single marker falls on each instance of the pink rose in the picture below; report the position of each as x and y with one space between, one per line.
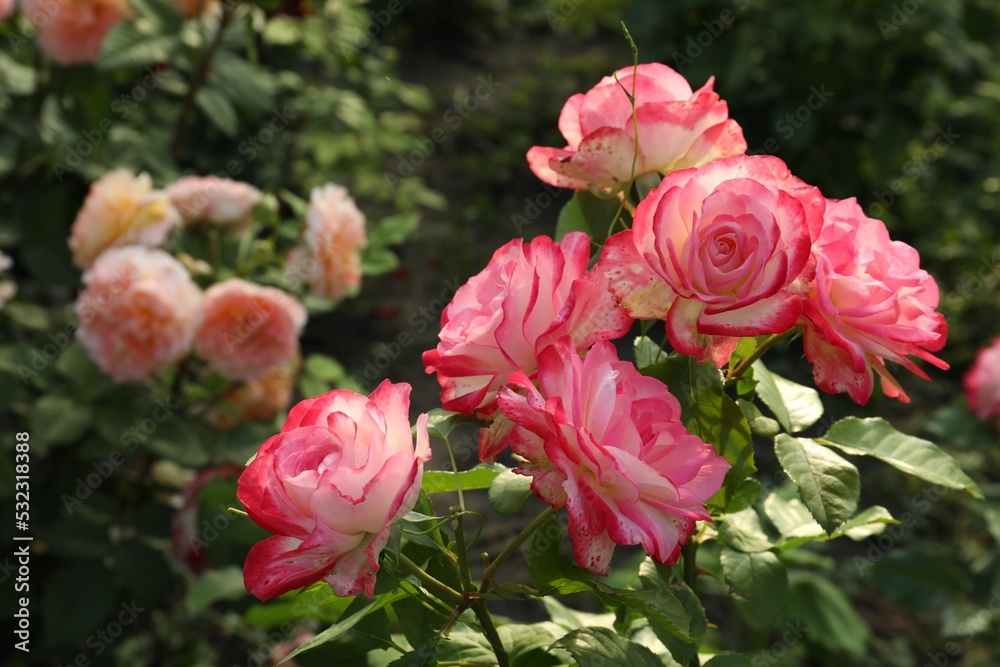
330 486
330 261
527 296
608 443
71 31
138 313
678 128
869 302
982 383
247 329
122 209
727 245
213 199
7 9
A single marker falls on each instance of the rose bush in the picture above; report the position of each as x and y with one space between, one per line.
330 485
527 297
677 128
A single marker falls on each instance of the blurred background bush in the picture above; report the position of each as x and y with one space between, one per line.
430 107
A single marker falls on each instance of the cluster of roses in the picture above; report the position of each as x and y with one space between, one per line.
71 32
141 312
726 246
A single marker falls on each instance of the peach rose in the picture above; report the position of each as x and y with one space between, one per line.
7 288
256 400
6 9
330 262
138 313
71 31
212 199
247 329
122 209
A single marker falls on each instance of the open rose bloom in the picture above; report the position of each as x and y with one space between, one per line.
139 312
677 128
330 486
247 329
608 444
330 261
527 297
982 383
870 302
213 199
718 252
71 31
121 209
7 9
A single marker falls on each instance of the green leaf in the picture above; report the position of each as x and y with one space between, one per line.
56 420
662 607
218 109
248 86
829 485
797 407
509 492
601 647
572 219
425 656
467 646
127 47
729 660
863 525
163 15
394 229
370 634
418 621
917 579
378 261
683 651
441 423
743 531
760 580
877 438
712 416
443 481
551 571
759 424
27 315
826 614
214 585
520 640
76 539
345 624
70 617
647 352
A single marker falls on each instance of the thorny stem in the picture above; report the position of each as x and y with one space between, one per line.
479 608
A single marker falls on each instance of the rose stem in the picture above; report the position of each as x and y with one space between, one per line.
513 546
736 371
441 589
